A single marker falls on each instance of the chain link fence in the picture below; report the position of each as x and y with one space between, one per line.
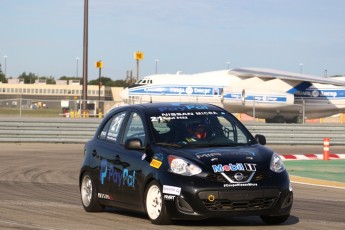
24 107
18 108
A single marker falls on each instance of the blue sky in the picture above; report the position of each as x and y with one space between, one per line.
45 36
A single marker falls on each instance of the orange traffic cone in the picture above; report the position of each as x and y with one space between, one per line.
325 149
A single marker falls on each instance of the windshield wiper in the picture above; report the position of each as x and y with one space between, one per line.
223 144
168 144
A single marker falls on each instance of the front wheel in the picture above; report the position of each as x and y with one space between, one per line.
154 204
88 193
272 220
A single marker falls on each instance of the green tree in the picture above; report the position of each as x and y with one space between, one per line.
104 81
2 76
108 82
70 78
28 78
120 83
49 80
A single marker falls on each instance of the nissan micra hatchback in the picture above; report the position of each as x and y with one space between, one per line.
182 161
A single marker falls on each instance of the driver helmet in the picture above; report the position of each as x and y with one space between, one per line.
199 129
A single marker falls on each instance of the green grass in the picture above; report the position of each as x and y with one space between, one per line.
30 112
332 170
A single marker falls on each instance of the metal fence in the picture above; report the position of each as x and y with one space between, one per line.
69 130
38 107
31 108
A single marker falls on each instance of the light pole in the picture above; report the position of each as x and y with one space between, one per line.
138 56
85 52
301 67
5 57
99 65
228 64
156 64
76 76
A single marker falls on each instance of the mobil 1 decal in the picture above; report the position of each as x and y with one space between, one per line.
249 167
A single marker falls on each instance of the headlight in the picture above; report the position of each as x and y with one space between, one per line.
277 164
182 166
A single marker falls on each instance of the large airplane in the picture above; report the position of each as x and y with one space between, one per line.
274 95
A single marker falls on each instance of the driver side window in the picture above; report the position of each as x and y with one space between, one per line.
135 129
232 132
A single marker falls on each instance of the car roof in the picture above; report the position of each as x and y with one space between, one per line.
157 105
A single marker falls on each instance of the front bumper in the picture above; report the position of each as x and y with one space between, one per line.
200 200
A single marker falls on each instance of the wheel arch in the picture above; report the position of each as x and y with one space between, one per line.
148 180
81 174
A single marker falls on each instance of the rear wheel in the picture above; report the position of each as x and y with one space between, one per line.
88 193
154 204
272 220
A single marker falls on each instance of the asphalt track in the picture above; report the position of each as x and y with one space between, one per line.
39 190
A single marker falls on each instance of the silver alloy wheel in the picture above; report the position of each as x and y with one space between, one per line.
154 202
86 190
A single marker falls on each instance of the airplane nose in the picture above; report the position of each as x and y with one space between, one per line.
124 94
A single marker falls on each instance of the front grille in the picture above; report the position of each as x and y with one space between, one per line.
249 205
239 200
217 177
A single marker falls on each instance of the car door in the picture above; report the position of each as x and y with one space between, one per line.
132 163
105 152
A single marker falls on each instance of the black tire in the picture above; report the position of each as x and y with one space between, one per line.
155 205
273 220
88 194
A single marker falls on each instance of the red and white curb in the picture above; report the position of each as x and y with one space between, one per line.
311 156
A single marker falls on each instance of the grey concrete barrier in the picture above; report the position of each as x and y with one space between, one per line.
66 130
300 134
48 130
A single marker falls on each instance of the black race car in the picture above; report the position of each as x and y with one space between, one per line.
182 161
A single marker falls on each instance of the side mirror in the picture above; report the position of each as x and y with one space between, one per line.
261 139
134 144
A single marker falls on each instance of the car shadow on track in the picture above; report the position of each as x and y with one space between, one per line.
225 221
234 221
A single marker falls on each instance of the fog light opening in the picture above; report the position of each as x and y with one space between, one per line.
288 201
183 205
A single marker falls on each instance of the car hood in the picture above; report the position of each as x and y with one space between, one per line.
224 155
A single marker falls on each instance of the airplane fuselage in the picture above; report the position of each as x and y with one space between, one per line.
242 95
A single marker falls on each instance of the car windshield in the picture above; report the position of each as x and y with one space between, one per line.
209 127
